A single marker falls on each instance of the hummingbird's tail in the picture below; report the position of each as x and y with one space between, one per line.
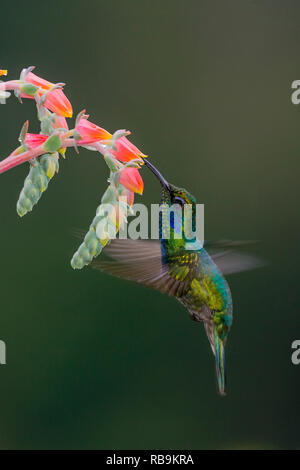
220 362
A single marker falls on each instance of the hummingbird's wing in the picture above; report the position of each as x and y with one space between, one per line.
230 262
140 261
229 259
225 243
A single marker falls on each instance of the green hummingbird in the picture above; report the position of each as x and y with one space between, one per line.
183 269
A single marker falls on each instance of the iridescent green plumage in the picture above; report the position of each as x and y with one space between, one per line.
206 294
181 267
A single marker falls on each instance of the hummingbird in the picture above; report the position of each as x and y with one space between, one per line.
183 269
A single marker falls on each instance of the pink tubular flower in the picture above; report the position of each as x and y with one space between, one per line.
126 151
60 122
34 140
56 100
58 103
132 180
90 133
38 81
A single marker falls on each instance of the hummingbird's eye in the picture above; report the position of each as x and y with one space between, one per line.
178 200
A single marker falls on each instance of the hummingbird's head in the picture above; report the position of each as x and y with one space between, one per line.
184 211
171 194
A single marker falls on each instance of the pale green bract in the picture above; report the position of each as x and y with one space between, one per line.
41 171
104 226
94 241
89 249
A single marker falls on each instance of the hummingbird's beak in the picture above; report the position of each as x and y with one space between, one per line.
159 176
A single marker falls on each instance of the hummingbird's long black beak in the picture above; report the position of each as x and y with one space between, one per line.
159 176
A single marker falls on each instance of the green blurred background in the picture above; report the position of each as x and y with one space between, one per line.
96 362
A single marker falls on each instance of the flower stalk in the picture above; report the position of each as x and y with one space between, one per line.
43 151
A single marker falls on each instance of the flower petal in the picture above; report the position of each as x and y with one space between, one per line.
90 133
34 140
38 81
132 180
56 100
58 103
126 151
60 122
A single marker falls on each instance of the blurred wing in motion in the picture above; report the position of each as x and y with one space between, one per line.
230 259
140 261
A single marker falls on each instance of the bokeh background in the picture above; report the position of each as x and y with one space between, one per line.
94 362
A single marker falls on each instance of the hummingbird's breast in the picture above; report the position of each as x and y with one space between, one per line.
208 292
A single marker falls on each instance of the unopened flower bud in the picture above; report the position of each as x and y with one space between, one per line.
50 164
